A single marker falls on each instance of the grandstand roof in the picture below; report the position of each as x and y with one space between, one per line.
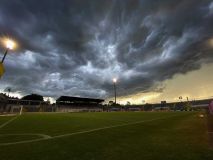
78 100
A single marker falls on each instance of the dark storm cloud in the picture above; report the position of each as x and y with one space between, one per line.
76 47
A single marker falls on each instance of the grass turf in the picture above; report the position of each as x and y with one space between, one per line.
159 135
4 119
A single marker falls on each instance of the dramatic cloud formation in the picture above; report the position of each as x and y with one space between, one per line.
76 47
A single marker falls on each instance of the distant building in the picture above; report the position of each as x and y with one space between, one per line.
3 102
204 103
78 104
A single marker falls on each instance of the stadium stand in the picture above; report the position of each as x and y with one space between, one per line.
78 104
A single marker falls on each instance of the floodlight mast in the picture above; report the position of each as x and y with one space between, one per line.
9 44
5 54
114 84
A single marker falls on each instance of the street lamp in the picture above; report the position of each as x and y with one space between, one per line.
114 83
9 44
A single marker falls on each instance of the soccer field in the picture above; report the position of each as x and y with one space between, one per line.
112 136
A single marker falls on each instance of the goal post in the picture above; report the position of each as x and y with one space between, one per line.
16 109
21 109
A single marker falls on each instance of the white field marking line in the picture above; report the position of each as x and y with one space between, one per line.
44 137
27 134
81 132
9 121
7 115
22 142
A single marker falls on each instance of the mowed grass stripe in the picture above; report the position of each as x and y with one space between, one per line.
87 131
58 124
109 127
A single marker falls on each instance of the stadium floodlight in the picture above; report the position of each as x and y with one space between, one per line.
9 45
114 80
114 83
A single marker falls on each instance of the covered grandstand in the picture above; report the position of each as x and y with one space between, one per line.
78 104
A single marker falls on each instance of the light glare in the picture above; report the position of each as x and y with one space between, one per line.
114 80
9 44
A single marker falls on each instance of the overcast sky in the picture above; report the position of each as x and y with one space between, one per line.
76 47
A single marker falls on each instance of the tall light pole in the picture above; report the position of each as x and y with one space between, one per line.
9 44
114 83
9 89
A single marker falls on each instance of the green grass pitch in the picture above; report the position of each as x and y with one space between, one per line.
105 136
